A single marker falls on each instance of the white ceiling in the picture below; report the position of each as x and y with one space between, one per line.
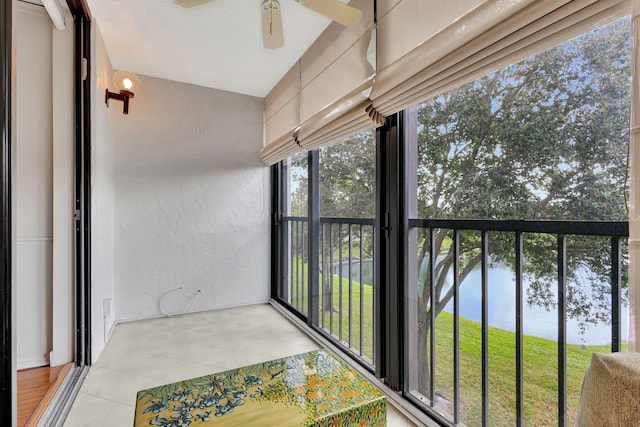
217 45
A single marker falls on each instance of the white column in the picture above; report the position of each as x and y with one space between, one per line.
634 209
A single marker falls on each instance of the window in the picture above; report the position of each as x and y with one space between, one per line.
293 284
473 252
347 228
345 241
542 139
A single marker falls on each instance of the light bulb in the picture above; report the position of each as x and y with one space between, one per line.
127 83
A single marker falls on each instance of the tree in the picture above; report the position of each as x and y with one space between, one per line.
347 189
348 178
298 185
546 138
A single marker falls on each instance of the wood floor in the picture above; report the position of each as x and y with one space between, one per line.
35 389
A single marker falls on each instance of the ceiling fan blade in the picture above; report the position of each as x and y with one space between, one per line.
272 37
191 3
334 9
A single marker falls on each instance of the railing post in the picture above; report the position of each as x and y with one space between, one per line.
485 328
616 281
329 281
314 232
296 296
303 288
362 292
340 307
456 326
519 332
432 316
562 330
350 230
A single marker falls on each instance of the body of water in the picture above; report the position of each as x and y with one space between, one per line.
367 271
537 321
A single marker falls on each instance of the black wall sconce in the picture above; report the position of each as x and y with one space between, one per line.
126 82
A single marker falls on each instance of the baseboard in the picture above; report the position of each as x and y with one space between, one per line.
111 329
204 310
56 360
34 362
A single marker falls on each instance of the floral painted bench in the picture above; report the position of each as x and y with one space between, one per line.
309 389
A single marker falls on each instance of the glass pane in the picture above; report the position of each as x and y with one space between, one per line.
540 324
545 138
297 175
470 288
347 191
419 324
542 139
348 178
589 310
502 320
293 286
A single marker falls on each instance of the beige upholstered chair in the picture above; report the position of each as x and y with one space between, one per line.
611 391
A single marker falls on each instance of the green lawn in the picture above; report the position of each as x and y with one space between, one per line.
540 359
360 315
540 374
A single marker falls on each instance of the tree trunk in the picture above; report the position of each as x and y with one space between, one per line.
424 322
327 280
424 375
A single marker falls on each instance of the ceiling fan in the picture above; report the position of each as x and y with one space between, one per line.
272 19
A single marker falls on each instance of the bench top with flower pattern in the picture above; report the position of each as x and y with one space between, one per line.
309 389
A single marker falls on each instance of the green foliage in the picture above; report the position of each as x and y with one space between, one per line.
297 170
545 138
348 177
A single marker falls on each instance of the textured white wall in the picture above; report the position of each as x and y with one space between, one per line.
102 197
192 205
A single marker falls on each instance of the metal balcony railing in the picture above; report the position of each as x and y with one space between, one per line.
296 290
347 284
554 232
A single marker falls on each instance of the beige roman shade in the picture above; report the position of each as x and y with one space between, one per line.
426 48
325 95
282 111
420 48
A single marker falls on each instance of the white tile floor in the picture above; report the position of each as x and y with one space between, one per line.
154 352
